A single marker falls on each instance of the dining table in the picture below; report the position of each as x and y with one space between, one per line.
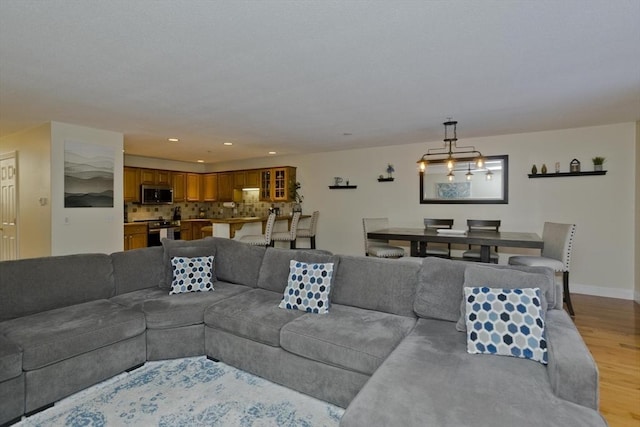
482 238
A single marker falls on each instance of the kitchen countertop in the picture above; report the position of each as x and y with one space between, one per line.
240 220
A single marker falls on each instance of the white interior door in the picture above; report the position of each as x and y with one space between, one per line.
8 207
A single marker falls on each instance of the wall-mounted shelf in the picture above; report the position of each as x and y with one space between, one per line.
385 179
564 174
342 187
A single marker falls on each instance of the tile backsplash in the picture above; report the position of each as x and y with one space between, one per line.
250 206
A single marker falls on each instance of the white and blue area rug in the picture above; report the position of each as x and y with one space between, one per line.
188 392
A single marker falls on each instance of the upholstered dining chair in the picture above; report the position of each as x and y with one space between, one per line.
442 250
556 254
473 254
379 248
290 235
261 239
310 233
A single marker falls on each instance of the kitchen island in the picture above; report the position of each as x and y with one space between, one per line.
231 228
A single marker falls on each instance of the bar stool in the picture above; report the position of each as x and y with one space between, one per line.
261 239
288 236
310 232
206 231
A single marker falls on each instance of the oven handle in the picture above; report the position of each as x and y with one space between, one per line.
157 230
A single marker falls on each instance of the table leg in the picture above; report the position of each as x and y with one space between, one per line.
414 248
484 253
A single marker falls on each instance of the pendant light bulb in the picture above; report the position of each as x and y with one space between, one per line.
450 163
450 176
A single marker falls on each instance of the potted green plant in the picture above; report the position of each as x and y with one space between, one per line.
296 197
597 163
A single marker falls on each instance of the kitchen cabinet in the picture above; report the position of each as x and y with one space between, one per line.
179 185
210 190
196 229
252 178
155 177
225 186
185 230
135 236
239 179
194 185
131 190
276 184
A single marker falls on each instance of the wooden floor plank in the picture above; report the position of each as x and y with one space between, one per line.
611 329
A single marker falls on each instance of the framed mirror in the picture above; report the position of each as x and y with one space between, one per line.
468 183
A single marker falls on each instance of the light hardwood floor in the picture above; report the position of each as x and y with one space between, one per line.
611 329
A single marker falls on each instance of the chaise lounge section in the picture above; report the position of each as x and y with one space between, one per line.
387 350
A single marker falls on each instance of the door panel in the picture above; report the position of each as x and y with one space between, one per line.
8 207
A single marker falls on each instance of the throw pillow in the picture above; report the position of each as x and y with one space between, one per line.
191 274
477 276
308 287
188 248
507 322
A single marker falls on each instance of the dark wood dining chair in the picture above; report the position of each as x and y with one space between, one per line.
442 250
473 253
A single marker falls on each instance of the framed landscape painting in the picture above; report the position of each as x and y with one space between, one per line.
88 175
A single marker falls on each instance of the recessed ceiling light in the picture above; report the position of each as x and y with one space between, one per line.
173 140
227 143
272 152
347 134
200 161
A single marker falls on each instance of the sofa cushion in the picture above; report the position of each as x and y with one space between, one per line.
254 315
10 359
137 298
39 284
386 285
506 322
505 278
459 389
172 311
192 274
274 271
188 248
308 287
347 337
59 334
440 283
237 262
137 269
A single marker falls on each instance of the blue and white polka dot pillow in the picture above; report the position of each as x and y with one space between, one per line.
191 274
308 287
507 322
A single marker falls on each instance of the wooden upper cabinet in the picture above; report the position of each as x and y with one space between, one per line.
276 184
239 179
225 186
131 191
193 187
154 177
179 185
210 183
163 177
252 179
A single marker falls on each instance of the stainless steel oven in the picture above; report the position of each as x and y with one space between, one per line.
159 229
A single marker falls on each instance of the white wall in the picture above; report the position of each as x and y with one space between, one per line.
601 206
34 219
637 233
172 165
82 230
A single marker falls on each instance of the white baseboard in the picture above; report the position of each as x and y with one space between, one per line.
637 297
600 291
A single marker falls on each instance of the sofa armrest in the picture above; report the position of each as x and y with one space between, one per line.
573 373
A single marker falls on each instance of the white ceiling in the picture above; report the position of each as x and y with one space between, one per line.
310 76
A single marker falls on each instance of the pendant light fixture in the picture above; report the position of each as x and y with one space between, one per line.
450 151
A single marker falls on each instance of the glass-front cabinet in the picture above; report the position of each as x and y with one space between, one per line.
276 184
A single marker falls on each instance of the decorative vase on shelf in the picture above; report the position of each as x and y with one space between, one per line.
543 169
534 170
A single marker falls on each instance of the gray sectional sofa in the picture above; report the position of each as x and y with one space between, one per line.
388 350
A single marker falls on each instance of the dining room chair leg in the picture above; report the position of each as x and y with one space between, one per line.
567 294
313 242
292 244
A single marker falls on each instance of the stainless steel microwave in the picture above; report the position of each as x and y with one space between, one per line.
156 195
